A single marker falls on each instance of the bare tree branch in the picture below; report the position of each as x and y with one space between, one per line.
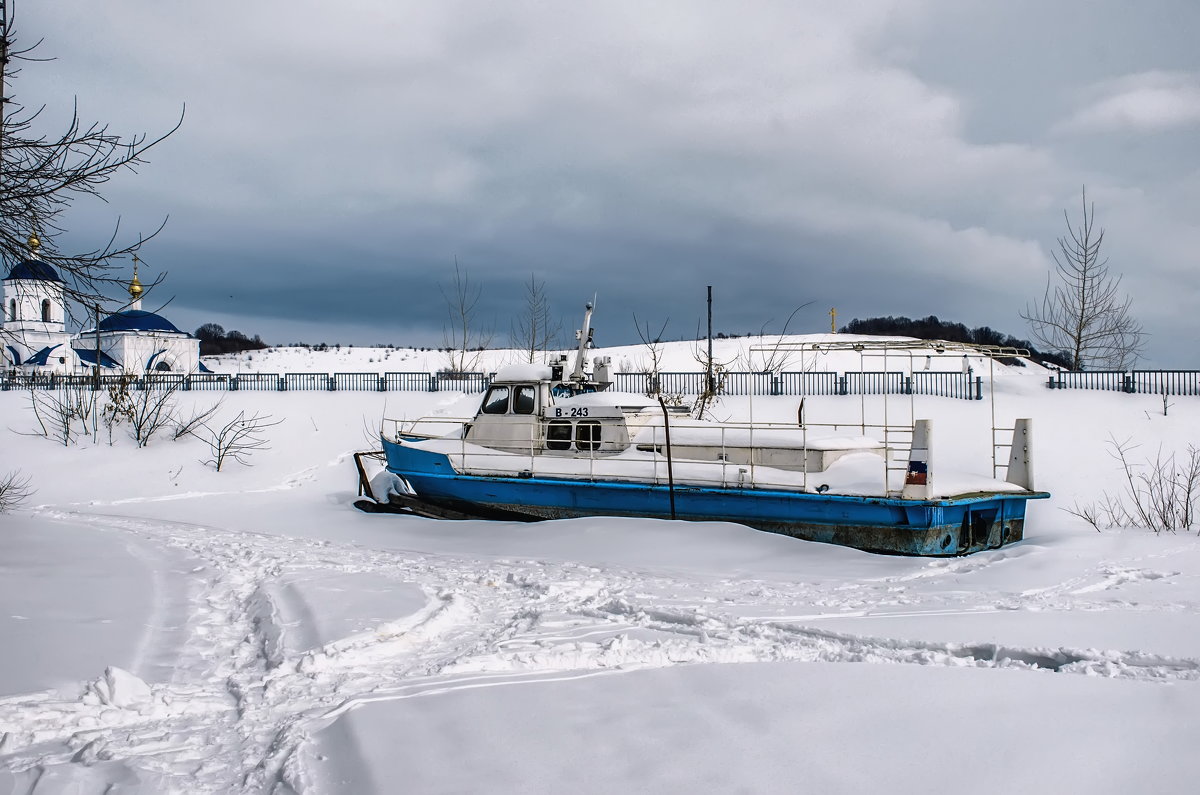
42 175
14 491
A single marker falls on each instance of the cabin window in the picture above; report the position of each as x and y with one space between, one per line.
525 400
496 401
46 310
587 435
558 435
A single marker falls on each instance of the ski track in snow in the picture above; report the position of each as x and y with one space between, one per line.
239 706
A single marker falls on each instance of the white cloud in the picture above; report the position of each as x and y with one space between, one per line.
1144 102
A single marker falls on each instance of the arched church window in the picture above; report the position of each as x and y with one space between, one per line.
12 309
162 367
46 310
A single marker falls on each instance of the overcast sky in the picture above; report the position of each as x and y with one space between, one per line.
885 157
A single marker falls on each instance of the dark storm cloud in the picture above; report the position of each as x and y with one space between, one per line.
881 157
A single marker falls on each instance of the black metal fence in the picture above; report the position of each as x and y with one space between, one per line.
952 384
944 384
1140 382
258 382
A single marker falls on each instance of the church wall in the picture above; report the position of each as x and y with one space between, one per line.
133 348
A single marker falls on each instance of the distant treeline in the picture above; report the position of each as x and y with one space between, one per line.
214 340
930 328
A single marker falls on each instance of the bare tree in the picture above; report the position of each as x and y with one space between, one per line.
42 175
1084 314
534 330
463 336
238 439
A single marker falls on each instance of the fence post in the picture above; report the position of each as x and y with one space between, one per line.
433 382
842 385
382 383
776 389
1127 384
979 387
282 383
1050 382
908 386
332 383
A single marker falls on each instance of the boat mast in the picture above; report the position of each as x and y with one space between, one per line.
584 335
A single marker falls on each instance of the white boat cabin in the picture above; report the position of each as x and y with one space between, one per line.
530 409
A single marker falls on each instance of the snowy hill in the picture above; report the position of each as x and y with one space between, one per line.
170 628
753 354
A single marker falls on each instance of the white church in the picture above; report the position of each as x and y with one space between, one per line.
35 339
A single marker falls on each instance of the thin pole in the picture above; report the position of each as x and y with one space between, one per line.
3 72
709 380
96 387
670 468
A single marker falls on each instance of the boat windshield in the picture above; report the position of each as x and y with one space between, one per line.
525 400
496 401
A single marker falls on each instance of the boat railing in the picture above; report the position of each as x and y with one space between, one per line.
742 459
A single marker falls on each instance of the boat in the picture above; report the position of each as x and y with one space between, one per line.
554 442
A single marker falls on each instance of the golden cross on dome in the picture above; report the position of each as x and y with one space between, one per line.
135 286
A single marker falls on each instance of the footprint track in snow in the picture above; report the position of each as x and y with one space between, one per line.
485 623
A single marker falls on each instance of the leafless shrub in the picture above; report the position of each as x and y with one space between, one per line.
773 357
238 439
1162 494
654 345
197 419
147 410
714 376
14 491
63 413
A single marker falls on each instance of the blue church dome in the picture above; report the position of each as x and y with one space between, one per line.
137 320
34 269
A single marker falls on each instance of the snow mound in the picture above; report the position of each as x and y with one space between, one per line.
118 688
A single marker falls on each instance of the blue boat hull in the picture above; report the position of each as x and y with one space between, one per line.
943 527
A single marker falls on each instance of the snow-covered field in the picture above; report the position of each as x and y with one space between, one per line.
168 628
